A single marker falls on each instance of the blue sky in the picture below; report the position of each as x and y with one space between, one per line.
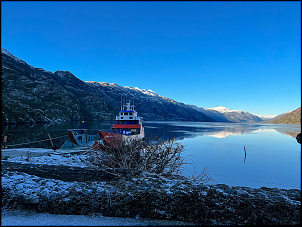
241 55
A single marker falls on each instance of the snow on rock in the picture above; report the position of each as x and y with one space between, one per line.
222 109
144 91
149 196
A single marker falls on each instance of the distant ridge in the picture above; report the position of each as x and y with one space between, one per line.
265 117
224 114
33 95
292 117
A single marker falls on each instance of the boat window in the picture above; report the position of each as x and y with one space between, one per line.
130 113
125 113
130 117
121 117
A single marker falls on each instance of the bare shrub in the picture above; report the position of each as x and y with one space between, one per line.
203 176
151 155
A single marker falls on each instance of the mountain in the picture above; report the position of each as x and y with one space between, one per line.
292 117
265 117
224 114
274 118
33 95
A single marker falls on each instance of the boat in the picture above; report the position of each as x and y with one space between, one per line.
79 138
128 127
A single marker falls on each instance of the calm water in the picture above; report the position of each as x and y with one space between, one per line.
273 155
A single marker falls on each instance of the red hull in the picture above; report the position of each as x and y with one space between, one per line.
111 139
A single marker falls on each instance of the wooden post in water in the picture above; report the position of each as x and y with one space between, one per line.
244 153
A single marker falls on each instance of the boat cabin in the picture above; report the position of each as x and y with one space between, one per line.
128 122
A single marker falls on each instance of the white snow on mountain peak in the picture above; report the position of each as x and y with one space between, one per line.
265 117
144 91
223 109
104 84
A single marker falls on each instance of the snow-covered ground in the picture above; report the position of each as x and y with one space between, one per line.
34 187
45 156
29 218
31 189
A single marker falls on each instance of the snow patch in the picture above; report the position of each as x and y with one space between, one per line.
144 91
265 117
222 109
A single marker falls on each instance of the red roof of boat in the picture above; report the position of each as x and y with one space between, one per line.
126 126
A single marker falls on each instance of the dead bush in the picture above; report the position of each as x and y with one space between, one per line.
151 155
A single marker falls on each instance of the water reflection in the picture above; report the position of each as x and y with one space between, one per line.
274 154
182 130
26 135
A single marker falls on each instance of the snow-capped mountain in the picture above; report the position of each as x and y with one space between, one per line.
225 114
222 109
147 92
265 117
32 95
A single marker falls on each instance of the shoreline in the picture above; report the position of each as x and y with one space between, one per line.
68 184
151 197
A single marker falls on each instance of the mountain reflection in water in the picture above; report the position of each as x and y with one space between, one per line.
163 129
181 130
273 155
